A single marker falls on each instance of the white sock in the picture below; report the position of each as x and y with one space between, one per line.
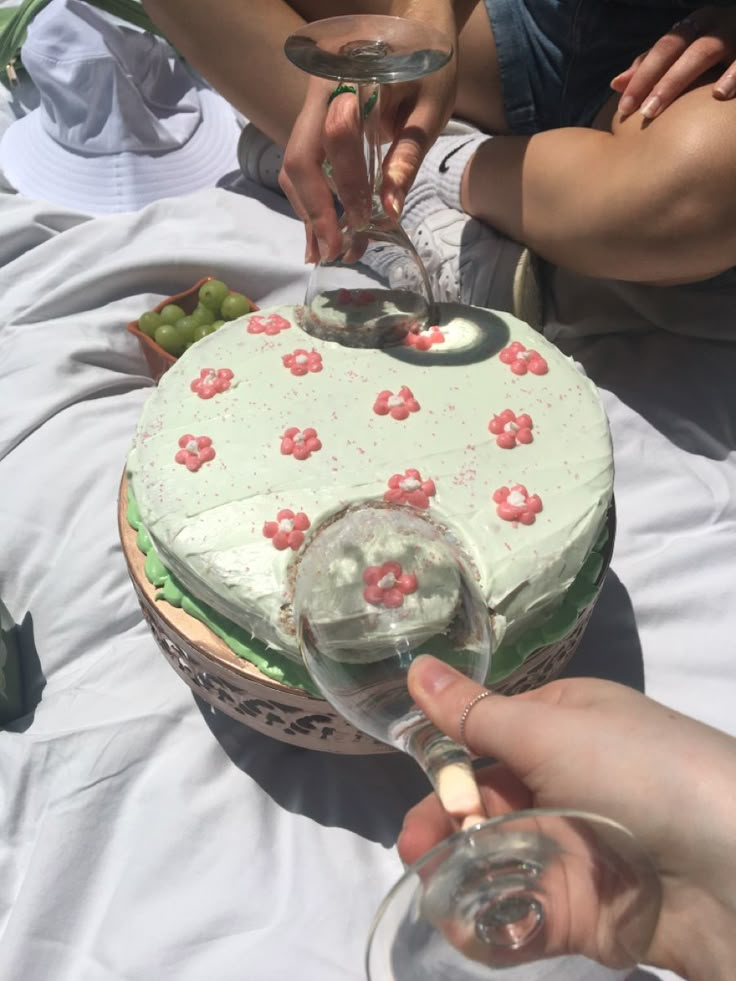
440 177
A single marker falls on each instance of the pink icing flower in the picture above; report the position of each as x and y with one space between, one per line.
397 406
211 381
409 488
517 504
521 360
287 531
423 340
274 323
510 429
300 362
355 298
194 451
387 584
300 443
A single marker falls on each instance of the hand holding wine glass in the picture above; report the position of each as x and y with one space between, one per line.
412 115
368 286
377 586
598 746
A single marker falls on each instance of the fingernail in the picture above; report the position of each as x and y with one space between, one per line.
396 203
727 88
324 248
432 675
627 104
651 107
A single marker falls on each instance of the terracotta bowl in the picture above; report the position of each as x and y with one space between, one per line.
237 688
158 359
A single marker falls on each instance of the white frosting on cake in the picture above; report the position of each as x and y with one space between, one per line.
208 522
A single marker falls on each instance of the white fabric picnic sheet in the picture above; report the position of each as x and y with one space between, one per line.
144 837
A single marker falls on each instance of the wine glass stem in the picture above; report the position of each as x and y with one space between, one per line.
450 771
369 95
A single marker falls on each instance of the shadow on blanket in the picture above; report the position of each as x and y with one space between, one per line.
333 790
33 678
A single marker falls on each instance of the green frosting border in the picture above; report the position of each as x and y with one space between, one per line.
281 668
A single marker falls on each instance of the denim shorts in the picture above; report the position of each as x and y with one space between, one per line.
557 57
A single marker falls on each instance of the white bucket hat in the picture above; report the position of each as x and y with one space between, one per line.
121 121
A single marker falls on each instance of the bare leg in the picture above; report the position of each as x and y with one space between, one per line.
642 202
646 202
649 202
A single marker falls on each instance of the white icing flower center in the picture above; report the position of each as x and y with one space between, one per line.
286 525
301 359
516 499
511 427
387 582
394 401
299 438
192 446
410 484
524 355
211 376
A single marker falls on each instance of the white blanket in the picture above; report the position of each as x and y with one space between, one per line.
146 837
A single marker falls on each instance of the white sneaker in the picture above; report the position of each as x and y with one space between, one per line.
259 158
468 262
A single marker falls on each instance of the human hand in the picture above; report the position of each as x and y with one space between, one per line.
600 747
412 116
692 47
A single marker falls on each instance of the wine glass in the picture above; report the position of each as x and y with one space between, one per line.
377 290
376 585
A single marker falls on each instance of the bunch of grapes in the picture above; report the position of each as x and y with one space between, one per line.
175 330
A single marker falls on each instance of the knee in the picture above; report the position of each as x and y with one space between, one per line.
693 182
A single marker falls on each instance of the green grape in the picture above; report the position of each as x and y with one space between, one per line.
217 324
148 322
234 305
171 313
202 315
185 328
212 293
202 330
167 338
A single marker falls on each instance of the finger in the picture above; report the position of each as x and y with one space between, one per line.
302 177
514 730
356 244
620 81
311 249
725 87
650 69
400 167
699 57
404 157
343 145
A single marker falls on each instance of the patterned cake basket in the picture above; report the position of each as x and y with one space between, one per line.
237 688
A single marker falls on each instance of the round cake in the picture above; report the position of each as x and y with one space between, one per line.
262 433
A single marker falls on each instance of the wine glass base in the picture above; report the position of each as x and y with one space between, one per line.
522 896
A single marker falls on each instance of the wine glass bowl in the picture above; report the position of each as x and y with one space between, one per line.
376 290
375 587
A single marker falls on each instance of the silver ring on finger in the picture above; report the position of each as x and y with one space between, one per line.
468 709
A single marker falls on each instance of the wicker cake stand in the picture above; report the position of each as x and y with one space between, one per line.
240 690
